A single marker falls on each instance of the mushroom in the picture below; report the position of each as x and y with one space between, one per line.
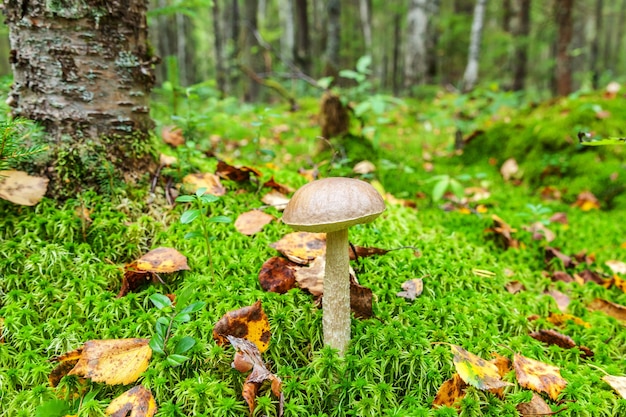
331 206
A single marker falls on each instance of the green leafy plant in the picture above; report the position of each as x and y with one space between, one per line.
200 211
444 183
166 327
587 139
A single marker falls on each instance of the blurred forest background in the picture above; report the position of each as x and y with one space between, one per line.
238 46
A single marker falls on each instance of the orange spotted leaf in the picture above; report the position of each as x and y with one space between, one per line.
249 323
278 275
538 376
451 392
301 247
476 371
161 261
137 401
210 182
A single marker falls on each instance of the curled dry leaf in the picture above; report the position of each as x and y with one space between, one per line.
514 287
301 247
278 275
311 278
562 276
588 275
276 199
586 201
451 392
535 407
476 371
538 376
562 300
161 260
614 310
172 135
509 169
553 253
20 188
252 222
618 267
362 252
112 361
249 323
360 299
207 180
503 232
238 174
138 401
618 383
364 167
412 289
552 337
280 188
539 232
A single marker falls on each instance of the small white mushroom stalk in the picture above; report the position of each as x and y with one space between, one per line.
331 206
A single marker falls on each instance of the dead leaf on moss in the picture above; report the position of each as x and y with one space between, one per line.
618 383
614 310
509 169
562 276
249 323
514 287
360 299
167 160
138 401
539 231
364 167
538 376
278 275
553 253
535 407
562 319
362 252
20 188
503 232
276 199
476 371
237 174
280 188
173 136
311 278
451 392
412 289
301 247
112 361
586 201
161 260
252 222
618 267
562 300
210 182
588 275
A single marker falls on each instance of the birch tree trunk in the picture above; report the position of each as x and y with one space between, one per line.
303 44
594 52
470 77
415 51
287 34
218 45
365 10
250 60
563 69
83 70
333 42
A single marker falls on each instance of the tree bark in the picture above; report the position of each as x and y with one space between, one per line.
395 59
303 44
250 58
563 69
415 51
594 52
83 70
218 44
470 78
287 33
521 31
333 42
365 11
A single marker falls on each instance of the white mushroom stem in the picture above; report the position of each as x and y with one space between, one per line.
336 298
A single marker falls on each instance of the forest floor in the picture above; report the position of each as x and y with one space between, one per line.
524 260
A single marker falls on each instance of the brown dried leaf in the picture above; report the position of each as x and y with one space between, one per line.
252 222
614 310
280 188
412 289
535 407
559 217
509 169
586 201
514 287
249 323
238 174
161 260
364 167
362 252
311 278
590 276
562 276
552 337
138 401
276 199
133 280
301 247
207 180
538 376
504 367
451 392
20 188
618 267
539 232
553 253
278 275
67 363
360 299
503 232
113 361
172 135
562 300
618 383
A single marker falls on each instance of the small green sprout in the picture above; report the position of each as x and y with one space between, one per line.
199 210
444 183
167 325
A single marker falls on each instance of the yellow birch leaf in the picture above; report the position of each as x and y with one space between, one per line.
538 376
476 371
248 323
301 247
137 400
450 392
618 383
207 180
113 361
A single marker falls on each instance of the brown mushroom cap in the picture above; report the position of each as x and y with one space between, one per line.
332 204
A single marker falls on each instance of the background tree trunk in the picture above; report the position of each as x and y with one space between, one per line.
563 69
218 42
594 51
415 50
287 33
365 11
84 72
303 44
333 40
250 59
470 78
521 32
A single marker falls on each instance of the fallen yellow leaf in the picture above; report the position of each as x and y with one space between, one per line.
20 188
538 376
138 401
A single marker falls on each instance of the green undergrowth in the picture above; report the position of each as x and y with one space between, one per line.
60 275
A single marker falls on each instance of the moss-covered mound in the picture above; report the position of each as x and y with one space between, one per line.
543 140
